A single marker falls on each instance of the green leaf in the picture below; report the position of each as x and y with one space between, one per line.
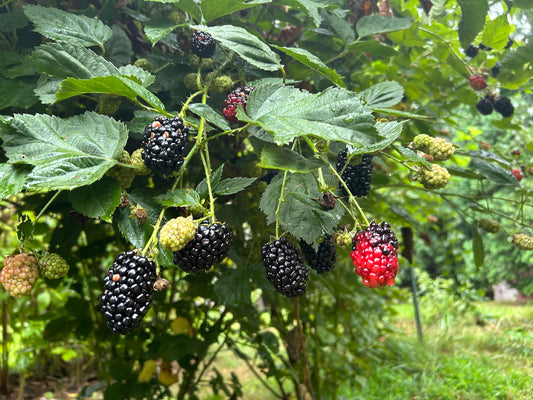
496 33
189 6
285 159
311 7
525 4
118 48
412 156
233 288
399 113
201 188
17 93
372 47
335 21
12 20
517 66
300 214
477 247
313 62
212 9
117 85
137 74
246 45
157 28
179 198
62 26
66 153
63 60
493 172
210 115
46 90
375 24
232 185
135 233
59 328
12 179
98 200
383 94
473 15
334 114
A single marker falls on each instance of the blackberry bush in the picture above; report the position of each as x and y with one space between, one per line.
164 144
128 288
284 267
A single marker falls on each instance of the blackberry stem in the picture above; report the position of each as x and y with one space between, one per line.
280 200
46 207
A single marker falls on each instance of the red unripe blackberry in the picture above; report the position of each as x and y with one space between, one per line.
284 267
209 246
234 98
375 255
324 259
472 51
164 144
517 174
202 44
485 106
504 106
128 288
19 274
478 82
358 177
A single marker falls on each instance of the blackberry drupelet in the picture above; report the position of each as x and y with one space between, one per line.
358 177
164 144
284 267
375 255
128 288
234 98
209 246
324 259
202 44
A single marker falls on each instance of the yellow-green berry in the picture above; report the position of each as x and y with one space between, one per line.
109 104
207 63
144 64
435 178
221 84
440 149
522 241
177 17
53 266
137 161
19 274
122 174
176 233
489 225
191 81
422 142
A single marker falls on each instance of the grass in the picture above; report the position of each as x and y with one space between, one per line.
486 356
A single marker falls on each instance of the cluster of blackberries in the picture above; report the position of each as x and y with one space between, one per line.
164 144
473 50
358 178
502 105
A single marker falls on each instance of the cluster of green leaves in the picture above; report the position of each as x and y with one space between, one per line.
63 71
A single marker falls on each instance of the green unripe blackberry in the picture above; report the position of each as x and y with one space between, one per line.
53 266
177 17
435 178
440 149
422 142
143 63
522 241
489 225
19 274
191 81
221 84
176 233
124 175
207 63
109 104
137 161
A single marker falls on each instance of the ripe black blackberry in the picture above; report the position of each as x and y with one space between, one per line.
202 44
324 259
496 69
485 106
472 51
164 144
233 99
285 268
504 106
358 177
128 288
209 246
